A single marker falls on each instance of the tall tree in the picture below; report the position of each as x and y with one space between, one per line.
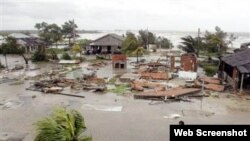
11 47
139 52
51 33
84 42
164 42
190 45
146 37
69 30
77 49
218 41
130 43
62 125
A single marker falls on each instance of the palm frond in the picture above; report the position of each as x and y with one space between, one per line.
61 125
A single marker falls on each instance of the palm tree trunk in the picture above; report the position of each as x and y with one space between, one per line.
25 59
6 64
69 42
137 60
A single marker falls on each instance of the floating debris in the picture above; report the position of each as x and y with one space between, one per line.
102 108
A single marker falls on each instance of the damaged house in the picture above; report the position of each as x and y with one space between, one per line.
235 69
31 44
107 44
119 61
189 62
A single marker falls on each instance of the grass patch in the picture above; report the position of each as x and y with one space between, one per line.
212 54
113 80
56 50
210 68
95 60
120 89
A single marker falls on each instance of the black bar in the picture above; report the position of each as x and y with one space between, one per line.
212 132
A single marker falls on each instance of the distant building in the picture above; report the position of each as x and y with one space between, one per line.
245 45
18 35
235 69
119 61
107 44
189 62
30 44
1 39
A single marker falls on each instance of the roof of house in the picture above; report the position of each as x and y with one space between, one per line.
240 59
245 45
1 37
31 41
108 40
245 68
19 35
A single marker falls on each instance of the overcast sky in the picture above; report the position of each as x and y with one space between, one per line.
181 15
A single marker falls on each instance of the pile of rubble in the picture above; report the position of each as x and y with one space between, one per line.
51 86
99 64
210 83
167 93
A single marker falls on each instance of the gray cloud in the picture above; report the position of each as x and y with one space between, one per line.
188 15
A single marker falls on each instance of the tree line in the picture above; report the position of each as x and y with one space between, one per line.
52 33
210 43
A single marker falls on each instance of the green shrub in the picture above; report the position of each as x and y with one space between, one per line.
113 80
80 58
39 56
210 70
52 54
56 50
120 89
66 56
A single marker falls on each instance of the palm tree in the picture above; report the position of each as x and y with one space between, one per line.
190 45
139 52
62 125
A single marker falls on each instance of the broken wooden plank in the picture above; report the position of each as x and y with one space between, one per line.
210 80
171 93
59 93
215 87
155 75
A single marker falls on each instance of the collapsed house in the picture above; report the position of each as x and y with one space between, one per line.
119 61
235 69
107 44
189 62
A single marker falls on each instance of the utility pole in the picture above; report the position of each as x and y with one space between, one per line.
147 40
74 33
198 42
203 93
6 63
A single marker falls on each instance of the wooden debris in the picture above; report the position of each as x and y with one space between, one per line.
99 64
210 80
171 93
146 84
127 77
52 90
96 88
215 87
136 87
32 88
155 75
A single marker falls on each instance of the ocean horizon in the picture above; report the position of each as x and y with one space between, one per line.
173 36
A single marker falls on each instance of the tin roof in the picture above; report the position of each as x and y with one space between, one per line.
108 40
240 59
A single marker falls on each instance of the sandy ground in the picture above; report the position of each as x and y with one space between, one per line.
139 120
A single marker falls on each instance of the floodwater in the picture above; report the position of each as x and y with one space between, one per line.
111 117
